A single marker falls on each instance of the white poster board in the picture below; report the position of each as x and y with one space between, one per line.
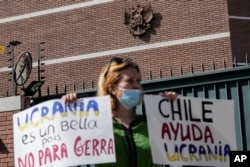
55 134
191 131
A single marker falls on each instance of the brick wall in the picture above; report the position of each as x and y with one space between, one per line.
101 28
9 106
6 139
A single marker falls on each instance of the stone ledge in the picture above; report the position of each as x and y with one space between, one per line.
11 103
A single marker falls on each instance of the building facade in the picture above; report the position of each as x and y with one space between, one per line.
72 40
80 37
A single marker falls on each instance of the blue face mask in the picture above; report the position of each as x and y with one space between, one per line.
130 98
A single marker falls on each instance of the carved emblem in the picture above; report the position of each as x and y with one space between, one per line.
138 19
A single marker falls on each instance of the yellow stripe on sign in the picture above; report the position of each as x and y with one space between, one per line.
2 49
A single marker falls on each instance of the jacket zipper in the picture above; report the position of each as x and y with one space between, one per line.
131 147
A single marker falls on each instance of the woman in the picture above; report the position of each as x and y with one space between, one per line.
121 80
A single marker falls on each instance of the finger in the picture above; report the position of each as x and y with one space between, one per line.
70 97
164 94
170 95
74 96
173 96
63 98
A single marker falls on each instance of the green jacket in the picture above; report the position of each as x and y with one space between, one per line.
132 145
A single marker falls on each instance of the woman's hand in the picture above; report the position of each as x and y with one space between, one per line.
69 98
169 95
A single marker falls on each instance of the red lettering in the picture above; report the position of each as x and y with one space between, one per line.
93 147
165 130
188 136
208 134
57 152
175 131
186 132
87 147
95 144
111 147
78 150
40 155
64 151
195 131
28 161
47 156
103 146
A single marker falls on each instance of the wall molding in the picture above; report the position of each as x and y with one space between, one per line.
130 49
54 10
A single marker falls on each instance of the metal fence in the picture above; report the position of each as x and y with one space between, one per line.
231 83
226 83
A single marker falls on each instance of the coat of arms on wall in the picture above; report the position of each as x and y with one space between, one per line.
138 19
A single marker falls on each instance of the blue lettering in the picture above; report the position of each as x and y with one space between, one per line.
47 113
58 107
92 105
31 118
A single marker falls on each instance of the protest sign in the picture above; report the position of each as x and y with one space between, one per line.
190 131
55 134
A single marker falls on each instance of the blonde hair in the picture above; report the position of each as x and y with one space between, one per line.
110 75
